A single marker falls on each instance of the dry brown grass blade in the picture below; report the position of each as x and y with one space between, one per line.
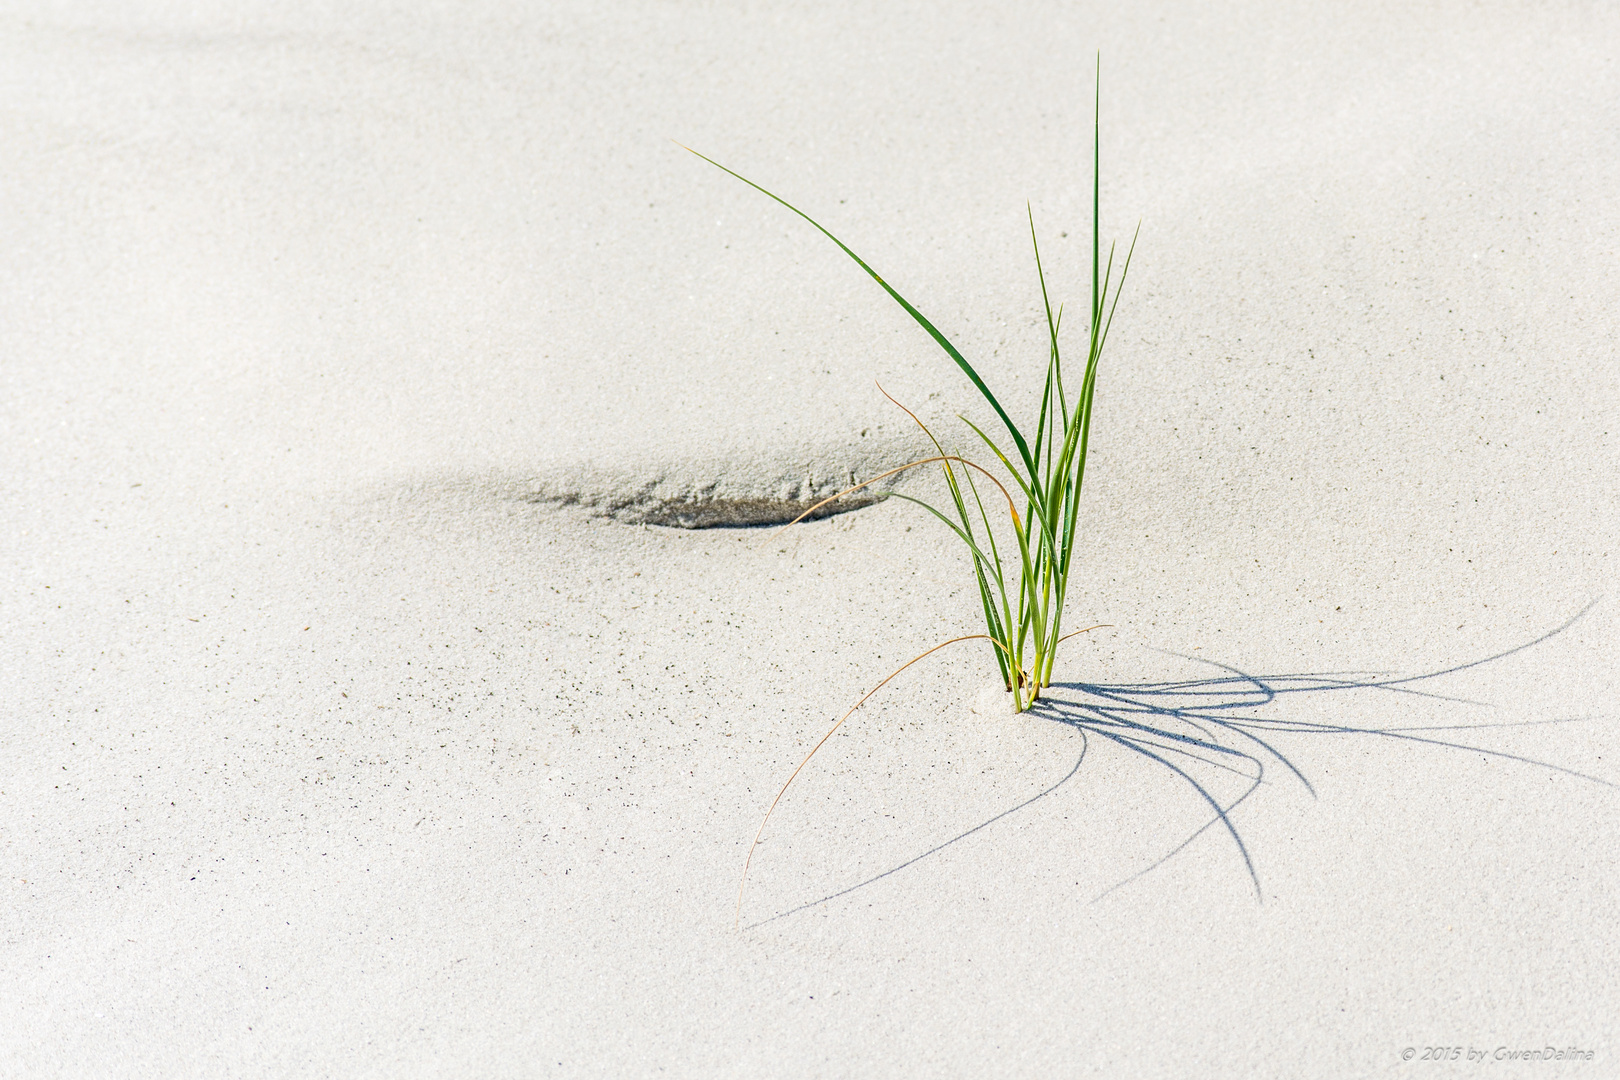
749 861
1087 630
909 413
892 472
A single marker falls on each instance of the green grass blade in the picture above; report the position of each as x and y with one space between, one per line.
1028 491
978 553
921 319
994 623
1126 269
1005 620
1051 327
1096 192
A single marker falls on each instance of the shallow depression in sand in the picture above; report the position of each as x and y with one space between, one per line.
720 489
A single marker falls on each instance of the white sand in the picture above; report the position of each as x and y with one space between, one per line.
329 752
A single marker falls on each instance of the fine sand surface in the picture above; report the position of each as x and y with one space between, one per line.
361 719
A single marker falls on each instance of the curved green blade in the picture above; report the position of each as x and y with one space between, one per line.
922 320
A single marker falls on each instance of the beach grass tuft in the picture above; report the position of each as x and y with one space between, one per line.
1021 562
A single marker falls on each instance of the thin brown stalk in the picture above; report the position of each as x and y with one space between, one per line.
743 884
883 476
